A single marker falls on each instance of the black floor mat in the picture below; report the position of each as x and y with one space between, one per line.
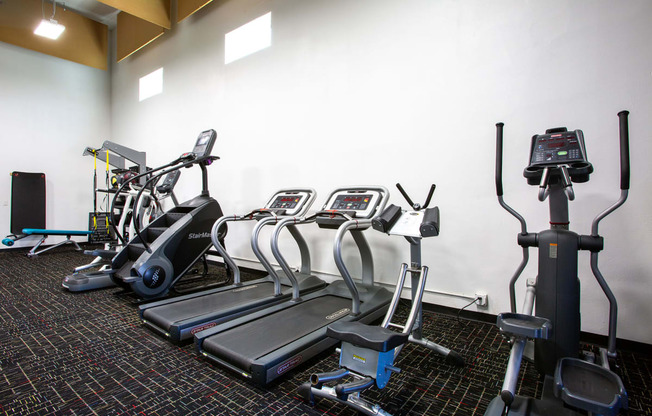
87 353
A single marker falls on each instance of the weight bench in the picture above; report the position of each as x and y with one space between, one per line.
9 240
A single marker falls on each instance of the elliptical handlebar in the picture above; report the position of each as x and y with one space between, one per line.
499 178
624 191
624 171
519 217
499 159
624 149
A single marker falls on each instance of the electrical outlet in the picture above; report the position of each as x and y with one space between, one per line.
483 300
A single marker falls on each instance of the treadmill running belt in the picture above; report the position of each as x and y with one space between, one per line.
245 343
166 315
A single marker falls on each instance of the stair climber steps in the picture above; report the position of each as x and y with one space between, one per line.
172 217
135 250
125 270
154 232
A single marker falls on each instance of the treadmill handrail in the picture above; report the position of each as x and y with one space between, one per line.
298 238
285 222
365 254
220 248
361 242
261 257
303 247
254 245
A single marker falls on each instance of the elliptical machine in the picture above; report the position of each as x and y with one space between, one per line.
558 158
154 260
368 352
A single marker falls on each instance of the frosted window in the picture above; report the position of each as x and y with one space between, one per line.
248 38
151 85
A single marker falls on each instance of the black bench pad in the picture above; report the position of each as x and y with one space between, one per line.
373 337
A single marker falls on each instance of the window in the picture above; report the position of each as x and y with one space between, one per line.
248 38
150 85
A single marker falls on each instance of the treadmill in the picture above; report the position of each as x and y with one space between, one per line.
179 318
264 345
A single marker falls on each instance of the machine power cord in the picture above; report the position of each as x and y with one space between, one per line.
459 321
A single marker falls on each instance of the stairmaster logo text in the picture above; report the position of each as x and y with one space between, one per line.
194 236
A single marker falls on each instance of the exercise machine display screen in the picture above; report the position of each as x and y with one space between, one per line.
357 202
290 202
204 143
285 202
557 148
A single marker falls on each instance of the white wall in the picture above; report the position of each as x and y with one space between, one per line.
375 92
51 109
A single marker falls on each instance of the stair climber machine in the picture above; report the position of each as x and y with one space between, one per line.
266 344
572 385
179 318
148 208
368 353
82 279
152 262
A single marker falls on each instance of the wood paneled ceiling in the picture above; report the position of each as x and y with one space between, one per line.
136 22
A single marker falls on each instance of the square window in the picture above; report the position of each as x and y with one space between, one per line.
248 38
150 85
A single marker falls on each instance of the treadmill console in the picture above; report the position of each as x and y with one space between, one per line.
290 203
204 143
557 148
360 203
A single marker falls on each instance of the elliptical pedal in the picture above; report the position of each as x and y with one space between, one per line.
589 387
525 326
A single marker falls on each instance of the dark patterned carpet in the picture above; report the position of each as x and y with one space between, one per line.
87 353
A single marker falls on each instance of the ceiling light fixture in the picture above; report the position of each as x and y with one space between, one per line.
49 28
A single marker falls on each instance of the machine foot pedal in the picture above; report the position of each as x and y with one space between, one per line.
589 387
526 326
343 390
